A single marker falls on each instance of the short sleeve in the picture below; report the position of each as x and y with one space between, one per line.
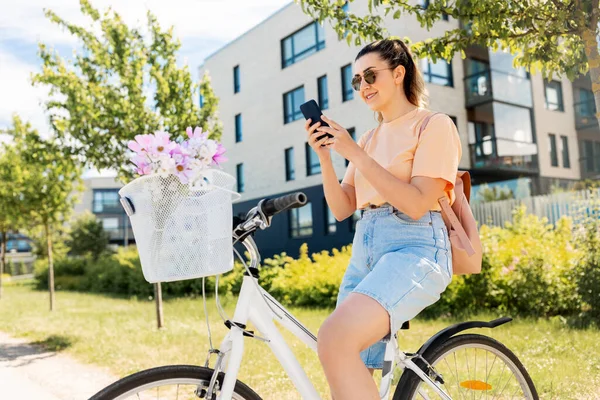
349 176
439 151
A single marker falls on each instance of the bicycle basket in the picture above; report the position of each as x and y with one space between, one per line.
181 232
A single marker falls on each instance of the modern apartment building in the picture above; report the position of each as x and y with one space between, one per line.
516 130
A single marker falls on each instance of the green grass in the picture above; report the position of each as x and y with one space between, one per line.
121 335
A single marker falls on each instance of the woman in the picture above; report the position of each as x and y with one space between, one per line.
401 260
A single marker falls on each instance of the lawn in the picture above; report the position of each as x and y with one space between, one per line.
121 334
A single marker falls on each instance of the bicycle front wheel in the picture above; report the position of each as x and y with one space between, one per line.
470 366
177 382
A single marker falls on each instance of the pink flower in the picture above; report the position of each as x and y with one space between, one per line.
197 133
219 157
161 144
142 164
183 168
141 143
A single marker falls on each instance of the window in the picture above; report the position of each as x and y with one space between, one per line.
290 170
236 79
330 222
302 43
238 128
597 155
301 221
439 73
352 133
354 220
566 161
454 120
201 101
554 97
347 91
106 201
425 4
240 178
588 155
291 104
110 224
313 166
323 97
553 153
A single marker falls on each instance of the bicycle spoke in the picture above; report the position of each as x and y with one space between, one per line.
457 381
504 387
500 379
177 393
475 371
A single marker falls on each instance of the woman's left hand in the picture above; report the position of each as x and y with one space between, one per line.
342 142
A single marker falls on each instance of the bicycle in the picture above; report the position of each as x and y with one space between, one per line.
431 371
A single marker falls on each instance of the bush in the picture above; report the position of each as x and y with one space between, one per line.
88 237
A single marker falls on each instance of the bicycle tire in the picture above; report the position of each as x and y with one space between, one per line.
409 381
188 373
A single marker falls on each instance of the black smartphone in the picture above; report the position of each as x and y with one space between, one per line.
311 110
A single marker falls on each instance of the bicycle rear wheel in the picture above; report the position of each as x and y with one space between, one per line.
176 382
471 366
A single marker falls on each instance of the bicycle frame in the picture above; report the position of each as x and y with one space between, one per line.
251 306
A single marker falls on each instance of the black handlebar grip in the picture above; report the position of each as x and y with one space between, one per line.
271 207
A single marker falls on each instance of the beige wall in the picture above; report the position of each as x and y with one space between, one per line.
86 197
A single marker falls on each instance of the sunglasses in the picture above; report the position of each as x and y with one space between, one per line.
369 77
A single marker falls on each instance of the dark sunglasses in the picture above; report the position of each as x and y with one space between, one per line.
369 77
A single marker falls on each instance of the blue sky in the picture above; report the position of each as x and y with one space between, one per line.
203 26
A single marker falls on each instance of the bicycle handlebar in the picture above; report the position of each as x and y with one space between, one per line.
270 207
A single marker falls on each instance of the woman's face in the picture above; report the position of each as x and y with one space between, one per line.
387 81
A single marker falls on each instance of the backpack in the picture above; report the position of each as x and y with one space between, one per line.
467 252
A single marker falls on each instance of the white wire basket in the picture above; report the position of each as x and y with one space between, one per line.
182 232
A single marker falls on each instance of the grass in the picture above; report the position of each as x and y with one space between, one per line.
121 335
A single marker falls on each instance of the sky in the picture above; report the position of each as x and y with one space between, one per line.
203 26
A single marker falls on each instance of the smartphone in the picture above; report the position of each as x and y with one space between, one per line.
311 110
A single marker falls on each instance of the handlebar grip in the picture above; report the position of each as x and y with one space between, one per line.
271 207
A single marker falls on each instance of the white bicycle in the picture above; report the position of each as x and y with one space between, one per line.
447 366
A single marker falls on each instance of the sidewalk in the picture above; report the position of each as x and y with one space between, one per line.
29 372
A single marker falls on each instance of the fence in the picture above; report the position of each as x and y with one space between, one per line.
577 205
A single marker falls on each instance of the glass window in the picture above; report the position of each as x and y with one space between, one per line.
291 104
425 4
554 97
290 170
323 96
565 152
597 155
240 178
512 122
236 79
330 221
352 133
347 91
238 128
313 166
106 200
301 221
301 44
588 155
201 101
553 153
439 73
110 224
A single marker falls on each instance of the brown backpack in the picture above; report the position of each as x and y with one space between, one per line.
467 252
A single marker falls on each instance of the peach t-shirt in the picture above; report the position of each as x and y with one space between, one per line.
397 147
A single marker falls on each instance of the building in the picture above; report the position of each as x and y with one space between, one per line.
516 129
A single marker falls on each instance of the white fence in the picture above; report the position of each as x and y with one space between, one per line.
553 206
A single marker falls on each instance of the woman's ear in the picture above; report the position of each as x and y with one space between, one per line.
399 74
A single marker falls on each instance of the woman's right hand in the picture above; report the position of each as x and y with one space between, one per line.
322 152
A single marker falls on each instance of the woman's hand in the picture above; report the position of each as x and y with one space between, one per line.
341 142
322 152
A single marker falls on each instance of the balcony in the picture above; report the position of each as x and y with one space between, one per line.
585 115
488 85
497 154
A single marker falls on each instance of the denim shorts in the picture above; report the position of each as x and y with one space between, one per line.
403 264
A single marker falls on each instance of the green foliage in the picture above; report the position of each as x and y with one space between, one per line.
487 193
88 236
120 84
544 35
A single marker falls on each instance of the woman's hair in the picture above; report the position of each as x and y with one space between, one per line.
395 52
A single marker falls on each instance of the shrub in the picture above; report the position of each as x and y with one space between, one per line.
88 236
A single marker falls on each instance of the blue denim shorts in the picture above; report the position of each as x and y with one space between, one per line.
403 264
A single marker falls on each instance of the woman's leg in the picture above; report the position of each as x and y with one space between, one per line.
355 325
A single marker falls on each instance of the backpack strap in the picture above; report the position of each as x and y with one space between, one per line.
456 225
425 122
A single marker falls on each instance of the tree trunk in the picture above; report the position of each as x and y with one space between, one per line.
50 267
2 258
159 307
591 51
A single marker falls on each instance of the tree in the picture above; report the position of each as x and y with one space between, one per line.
49 180
11 174
488 194
120 84
551 36
88 236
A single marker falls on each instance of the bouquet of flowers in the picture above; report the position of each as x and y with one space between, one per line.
158 154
